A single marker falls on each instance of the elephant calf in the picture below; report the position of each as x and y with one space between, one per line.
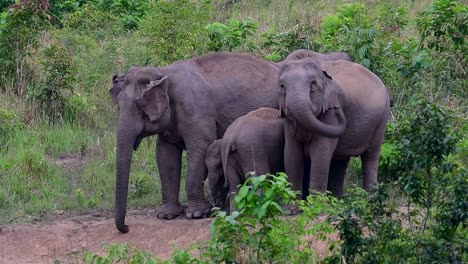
252 143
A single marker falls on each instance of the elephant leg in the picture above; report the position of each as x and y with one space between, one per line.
336 176
321 152
197 143
370 158
235 179
370 167
169 159
293 158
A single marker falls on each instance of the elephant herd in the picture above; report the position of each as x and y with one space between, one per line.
235 113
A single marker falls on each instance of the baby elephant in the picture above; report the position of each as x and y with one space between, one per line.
252 143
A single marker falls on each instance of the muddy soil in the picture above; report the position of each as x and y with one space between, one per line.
67 238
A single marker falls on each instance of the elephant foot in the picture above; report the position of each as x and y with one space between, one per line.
198 210
170 211
291 209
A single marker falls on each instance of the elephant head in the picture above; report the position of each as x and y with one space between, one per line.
143 101
217 185
307 92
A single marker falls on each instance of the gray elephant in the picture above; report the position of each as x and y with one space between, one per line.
189 104
252 143
319 57
332 111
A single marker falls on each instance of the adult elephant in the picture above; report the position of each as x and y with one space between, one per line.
334 110
319 57
189 104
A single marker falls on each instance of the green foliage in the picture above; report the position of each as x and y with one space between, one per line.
280 44
411 59
92 20
120 253
258 202
443 30
366 226
426 138
5 3
418 142
444 25
59 8
127 14
18 34
175 29
393 19
257 234
349 30
374 230
9 122
228 37
55 81
435 191
130 12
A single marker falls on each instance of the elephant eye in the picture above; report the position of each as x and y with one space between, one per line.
313 85
282 88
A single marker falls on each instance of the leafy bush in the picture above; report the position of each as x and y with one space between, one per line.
92 20
349 30
444 25
418 142
392 19
443 30
375 229
117 253
130 12
9 121
5 3
280 44
228 37
56 79
258 202
18 35
411 59
175 29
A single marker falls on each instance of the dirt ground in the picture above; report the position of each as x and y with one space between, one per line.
67 238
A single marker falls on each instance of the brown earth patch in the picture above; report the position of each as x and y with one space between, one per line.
66 240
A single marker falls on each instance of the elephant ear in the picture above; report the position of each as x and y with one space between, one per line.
330 93
154 99
116 87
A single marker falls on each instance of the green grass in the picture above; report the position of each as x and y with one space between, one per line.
33 185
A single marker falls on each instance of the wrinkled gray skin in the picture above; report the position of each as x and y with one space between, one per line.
351 102
319 57
253 143
189 104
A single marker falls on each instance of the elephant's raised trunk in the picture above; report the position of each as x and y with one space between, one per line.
301 109
126 138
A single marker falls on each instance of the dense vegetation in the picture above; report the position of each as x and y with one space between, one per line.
57 123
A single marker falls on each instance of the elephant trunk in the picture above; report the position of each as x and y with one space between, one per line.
126 139
301 109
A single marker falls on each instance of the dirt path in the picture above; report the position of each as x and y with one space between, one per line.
67 239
